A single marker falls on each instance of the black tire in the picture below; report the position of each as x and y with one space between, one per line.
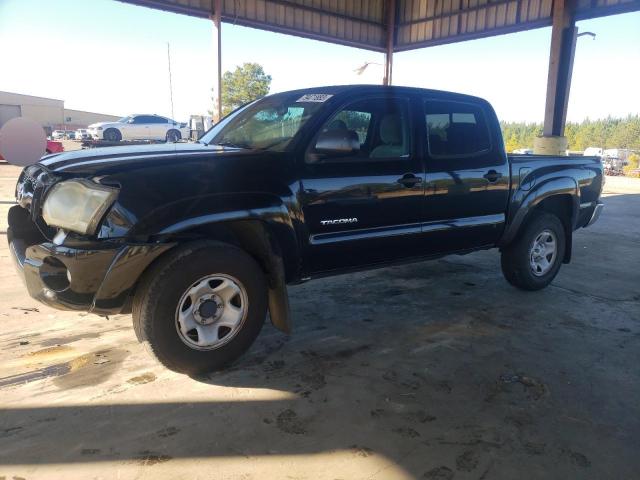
160 292
112 135
173 136
516 258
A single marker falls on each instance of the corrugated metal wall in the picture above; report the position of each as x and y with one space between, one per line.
350 22
358 23
431 22
361 23
442 21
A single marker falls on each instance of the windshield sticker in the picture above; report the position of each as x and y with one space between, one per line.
315 97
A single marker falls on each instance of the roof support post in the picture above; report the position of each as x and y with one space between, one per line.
217 22
563 45
388 56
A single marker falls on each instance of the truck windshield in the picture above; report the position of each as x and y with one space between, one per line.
266 124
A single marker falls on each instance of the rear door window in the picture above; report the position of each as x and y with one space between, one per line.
154 119
456 129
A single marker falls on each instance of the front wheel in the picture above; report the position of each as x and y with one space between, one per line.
533 260
201 307
112 135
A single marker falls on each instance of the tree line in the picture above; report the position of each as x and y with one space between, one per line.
604 133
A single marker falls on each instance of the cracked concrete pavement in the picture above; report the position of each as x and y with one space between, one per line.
435 370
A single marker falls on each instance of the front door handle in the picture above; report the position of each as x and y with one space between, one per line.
409 180
492 176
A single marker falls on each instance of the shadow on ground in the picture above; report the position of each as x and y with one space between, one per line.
441 368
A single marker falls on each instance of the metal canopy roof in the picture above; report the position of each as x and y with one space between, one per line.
363 23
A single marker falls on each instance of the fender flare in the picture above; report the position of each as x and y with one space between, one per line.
524 202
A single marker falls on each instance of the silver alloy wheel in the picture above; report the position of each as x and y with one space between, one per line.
211 312
543 251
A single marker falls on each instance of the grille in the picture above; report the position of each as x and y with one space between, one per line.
31 186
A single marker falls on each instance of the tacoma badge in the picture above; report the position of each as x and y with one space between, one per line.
339 220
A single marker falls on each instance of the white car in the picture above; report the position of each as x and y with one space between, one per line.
82 133
593 152
523 151
58 134
139 127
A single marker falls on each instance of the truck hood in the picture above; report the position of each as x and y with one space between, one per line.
91 161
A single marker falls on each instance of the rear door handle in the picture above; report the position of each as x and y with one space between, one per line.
409 180
492 176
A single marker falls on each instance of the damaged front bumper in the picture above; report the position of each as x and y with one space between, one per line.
97 277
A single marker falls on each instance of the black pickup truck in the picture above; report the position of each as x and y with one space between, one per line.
198 240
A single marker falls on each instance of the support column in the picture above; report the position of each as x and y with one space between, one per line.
217 22
562 52
388 56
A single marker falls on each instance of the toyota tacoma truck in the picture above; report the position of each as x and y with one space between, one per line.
199 240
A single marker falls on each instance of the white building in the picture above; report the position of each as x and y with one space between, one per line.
48 112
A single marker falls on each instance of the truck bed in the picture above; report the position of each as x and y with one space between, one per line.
584 173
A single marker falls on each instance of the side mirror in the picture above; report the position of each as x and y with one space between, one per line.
337 142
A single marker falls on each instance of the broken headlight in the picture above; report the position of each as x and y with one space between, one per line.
77 205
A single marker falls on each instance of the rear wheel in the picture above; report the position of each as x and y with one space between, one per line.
173 136
201 307
534 259
112 135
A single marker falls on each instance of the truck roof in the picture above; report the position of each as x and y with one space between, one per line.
365 88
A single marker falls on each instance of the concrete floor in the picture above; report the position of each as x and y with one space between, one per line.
435 370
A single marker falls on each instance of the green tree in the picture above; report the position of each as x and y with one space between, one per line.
244 84
511 142
633 163
604 133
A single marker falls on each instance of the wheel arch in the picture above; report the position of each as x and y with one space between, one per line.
558 196
119 133
178 132
241 227
269 238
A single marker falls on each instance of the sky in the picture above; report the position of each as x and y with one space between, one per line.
111 57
